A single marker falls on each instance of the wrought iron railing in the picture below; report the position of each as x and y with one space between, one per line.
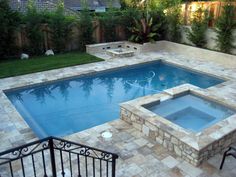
56 157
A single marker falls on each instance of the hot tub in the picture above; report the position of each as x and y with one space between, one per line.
191 111
186 120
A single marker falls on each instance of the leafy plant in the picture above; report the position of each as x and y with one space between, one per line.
224 27
61 25
10 21
144 30
33 20
86 29
130 3
199 26
173 16
159 18
127 20
109 21
174 30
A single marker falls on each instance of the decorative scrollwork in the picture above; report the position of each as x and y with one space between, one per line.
68 145
62 145
82 150
87 152
106 156
25 151
58 144
45 145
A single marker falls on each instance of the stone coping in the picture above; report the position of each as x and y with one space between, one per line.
199 140
183 66
112 43
19 82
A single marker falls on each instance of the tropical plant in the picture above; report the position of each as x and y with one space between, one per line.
127 20
144 30
199 25
159 18
225 25
86 29
10 21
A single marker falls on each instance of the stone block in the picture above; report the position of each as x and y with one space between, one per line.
145 130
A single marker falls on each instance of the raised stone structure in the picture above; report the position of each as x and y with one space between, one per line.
128 48
192 147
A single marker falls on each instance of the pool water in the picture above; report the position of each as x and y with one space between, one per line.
191 112
65 107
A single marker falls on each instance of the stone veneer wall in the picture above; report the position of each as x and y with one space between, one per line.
174 144
102 47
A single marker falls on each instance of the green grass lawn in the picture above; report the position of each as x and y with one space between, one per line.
18 67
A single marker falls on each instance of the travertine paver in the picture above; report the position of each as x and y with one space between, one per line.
139 156
151 159
170 162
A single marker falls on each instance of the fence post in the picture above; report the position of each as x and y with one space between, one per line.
113 166
52 155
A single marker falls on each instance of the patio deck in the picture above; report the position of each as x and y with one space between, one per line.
139 156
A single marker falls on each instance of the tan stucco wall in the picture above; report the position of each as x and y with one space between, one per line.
210 36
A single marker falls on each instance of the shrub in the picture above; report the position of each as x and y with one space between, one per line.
173 26
109 21
173 16
224 27
85 27
144 30
129 3
10 21
127 20
159 18
33 20
199 26
60 26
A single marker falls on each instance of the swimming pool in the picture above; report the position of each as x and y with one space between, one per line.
64 107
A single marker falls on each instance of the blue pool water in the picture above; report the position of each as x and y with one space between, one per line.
191 112
64 107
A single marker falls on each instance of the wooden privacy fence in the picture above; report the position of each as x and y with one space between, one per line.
72 44
188 8
214 8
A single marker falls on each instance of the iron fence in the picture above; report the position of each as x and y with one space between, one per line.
57 157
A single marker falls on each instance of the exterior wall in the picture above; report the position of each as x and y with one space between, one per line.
210 37
173 143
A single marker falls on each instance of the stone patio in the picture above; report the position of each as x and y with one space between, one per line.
139 155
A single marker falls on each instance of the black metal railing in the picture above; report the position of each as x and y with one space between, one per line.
56 157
